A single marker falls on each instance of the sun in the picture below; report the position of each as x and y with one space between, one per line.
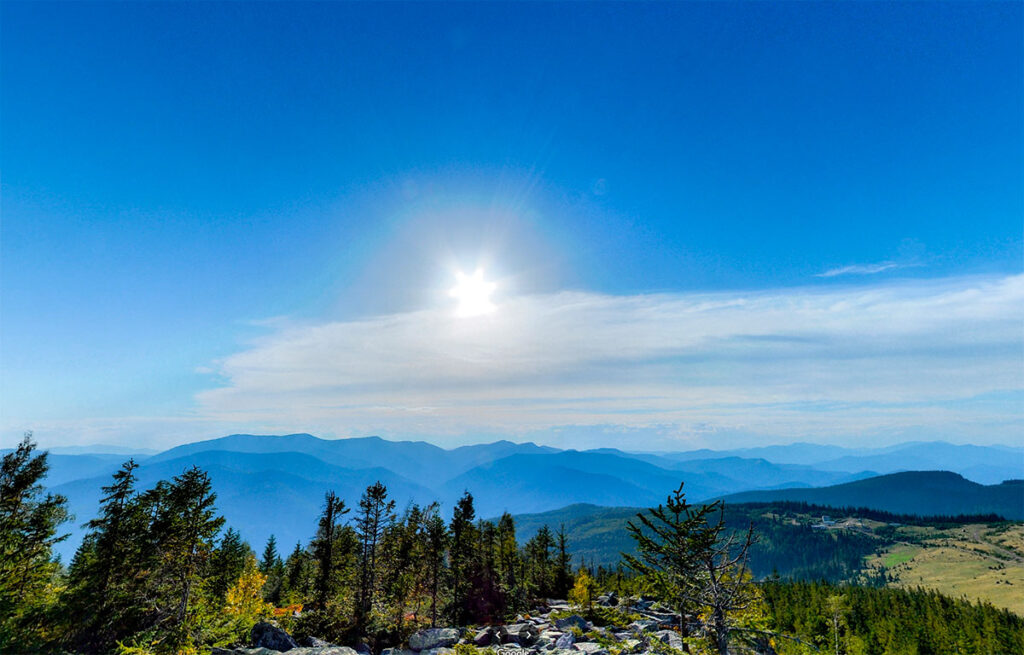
473 294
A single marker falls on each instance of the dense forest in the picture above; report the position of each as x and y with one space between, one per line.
159 572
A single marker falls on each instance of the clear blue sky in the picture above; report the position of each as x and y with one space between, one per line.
177 175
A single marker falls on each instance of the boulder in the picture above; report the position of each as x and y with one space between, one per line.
441 650
524 634
314 642
566 641
433 638
242 651
267 635
485 637
632 645
590 648
574 621
670 638
363 649
396 651
544 643
643 626
322 650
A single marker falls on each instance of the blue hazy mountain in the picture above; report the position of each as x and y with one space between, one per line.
936 493
409 458
258 493
275 484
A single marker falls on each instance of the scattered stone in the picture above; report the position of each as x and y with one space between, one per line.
544 643
483 637
566 641
363 649
670 638
574 621
524 634
397 651
243 651
433 638
267 635
322 650
590 648
441 650
632 645
314 642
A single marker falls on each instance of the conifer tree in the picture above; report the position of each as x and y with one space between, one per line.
228 562
29 522
461 556
563 564
189 526
325 550
272 567
693 565
434 534
376 513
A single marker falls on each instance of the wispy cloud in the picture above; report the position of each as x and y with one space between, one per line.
887 358
861 269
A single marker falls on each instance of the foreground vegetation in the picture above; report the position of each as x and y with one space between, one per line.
159 572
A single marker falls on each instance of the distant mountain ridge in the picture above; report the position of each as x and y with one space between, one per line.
275 484
937 493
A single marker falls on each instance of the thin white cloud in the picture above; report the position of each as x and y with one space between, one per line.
886 359
861 269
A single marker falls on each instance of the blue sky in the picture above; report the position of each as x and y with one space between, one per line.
201 199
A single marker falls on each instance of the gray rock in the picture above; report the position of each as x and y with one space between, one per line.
267 635
643 626
544 643
485 637
574 621
322 650
396 651
524 634
632 645
314 642
590 648
566 641
363 649
669 638
433 638
441 650
243 651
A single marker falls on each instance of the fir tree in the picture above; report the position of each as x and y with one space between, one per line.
29 521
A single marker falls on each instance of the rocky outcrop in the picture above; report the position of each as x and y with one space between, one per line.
523 634
537 633
268 635
432 638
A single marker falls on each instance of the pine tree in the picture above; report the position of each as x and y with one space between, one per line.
100 598
228 562
188 528
463 539
685 557
563 564
325 550
434 534
272 567
376 513
29 521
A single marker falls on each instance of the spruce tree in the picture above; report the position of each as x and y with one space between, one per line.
463 539
434 534
29 522
376 513
325 550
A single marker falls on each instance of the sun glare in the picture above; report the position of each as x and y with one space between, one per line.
473 294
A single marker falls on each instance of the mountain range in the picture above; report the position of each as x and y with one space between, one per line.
275 484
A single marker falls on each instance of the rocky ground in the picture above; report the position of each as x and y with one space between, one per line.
550 630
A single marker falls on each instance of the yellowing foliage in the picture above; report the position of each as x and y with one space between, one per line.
244 599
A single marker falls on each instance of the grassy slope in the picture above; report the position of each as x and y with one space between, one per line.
976 561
